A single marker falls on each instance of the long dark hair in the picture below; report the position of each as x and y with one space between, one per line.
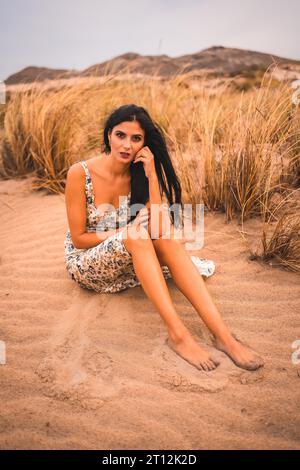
155 140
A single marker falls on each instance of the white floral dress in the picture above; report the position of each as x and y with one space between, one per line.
108 267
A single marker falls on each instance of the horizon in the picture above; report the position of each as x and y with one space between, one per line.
143 55
72 35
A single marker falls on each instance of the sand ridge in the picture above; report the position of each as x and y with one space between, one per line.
86 370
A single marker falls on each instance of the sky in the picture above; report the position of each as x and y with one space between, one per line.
75 34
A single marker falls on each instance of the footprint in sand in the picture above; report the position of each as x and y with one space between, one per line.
98 363
75 369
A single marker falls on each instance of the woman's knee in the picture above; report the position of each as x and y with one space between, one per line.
166 244
136 237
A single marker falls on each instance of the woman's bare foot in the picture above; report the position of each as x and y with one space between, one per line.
187 348
239 353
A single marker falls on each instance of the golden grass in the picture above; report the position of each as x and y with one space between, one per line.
281 248
233 151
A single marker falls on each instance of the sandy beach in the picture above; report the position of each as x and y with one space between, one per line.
92 371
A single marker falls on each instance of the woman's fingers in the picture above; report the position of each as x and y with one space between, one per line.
142 218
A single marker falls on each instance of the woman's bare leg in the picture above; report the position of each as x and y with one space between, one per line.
149 273
172 253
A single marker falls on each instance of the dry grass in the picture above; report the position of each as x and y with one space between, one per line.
42 135
245 156
293 173
282 247
280 232
234 151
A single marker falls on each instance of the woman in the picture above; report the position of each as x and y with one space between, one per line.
99 256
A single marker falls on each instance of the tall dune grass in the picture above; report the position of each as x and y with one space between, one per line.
43 132
281 244
233 151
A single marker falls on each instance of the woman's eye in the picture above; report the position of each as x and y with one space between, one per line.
122 135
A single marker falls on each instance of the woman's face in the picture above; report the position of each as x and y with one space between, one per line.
126 138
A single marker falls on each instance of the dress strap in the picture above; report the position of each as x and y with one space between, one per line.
88 183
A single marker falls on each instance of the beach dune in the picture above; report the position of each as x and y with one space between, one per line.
86 370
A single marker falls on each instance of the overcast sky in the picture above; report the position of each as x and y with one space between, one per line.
75 34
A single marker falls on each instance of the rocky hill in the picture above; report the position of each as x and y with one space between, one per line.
215 60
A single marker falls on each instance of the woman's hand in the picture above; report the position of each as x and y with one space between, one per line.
146 156
142 219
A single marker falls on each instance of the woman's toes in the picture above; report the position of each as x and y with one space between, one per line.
260 360
210 365
216 362
205 366
253 364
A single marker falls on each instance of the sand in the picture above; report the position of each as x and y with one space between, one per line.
92 371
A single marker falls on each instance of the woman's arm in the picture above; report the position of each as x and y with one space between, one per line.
155 198
91 239
76 211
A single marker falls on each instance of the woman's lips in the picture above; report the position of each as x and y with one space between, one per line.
124 154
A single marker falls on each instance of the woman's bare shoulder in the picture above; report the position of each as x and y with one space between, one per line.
75 177
95 164
75 169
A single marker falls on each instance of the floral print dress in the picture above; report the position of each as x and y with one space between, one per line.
108 267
